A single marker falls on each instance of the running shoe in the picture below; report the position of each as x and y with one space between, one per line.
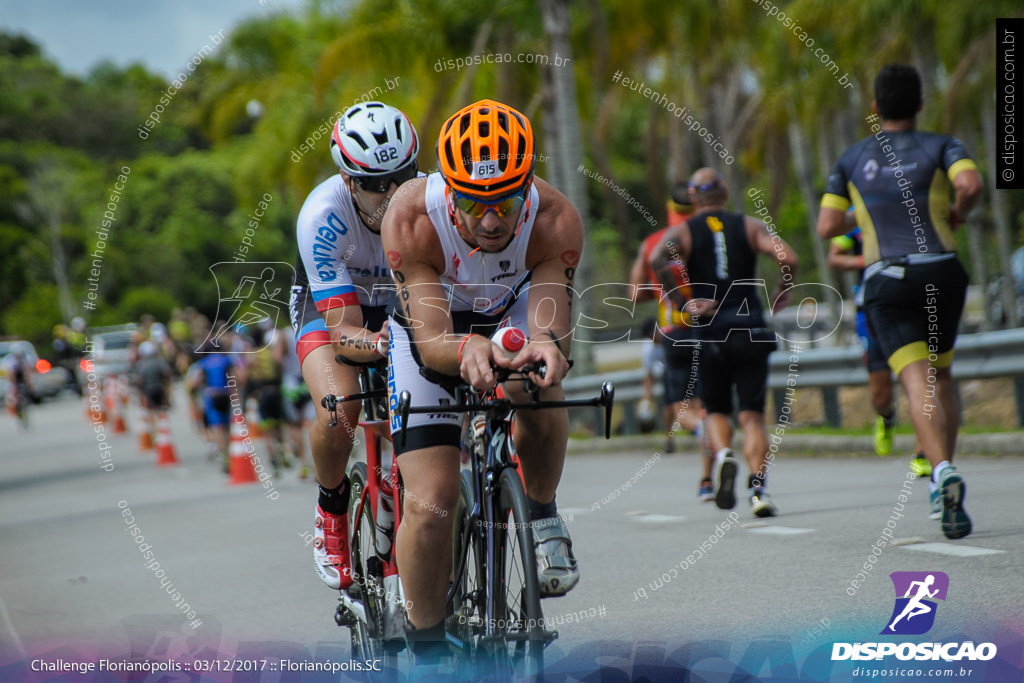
330 549
557 568
920 466
883 437
725 495
706 492
935 500
955 522
761 503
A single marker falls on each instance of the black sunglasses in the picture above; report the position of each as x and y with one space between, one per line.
381 183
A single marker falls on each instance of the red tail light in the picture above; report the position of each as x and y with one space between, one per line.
43 366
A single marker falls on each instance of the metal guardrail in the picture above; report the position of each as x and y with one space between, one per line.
978 356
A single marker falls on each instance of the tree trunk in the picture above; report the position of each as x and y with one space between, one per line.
570 154
1001 220
48 191
805 178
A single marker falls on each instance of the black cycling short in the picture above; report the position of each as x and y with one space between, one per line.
914 310
738 361
682 371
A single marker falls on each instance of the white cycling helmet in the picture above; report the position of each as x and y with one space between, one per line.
374 139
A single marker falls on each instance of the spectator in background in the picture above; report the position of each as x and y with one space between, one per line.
264 372
846 252
898 181
297 405
152 376
704 263
677 339
215 370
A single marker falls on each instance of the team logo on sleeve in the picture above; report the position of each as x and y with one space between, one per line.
870 170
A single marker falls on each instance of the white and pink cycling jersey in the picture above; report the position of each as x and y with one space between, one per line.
344 260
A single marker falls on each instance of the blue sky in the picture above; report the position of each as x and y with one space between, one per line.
162 34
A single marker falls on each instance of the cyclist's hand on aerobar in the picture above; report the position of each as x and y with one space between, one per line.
382 339
543 351
479 355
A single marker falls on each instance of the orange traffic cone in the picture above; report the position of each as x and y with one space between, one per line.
146 432
252 418
114 404
240 470
164 448
124 390
95 408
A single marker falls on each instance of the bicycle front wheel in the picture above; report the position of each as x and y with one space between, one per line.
366 589
515 599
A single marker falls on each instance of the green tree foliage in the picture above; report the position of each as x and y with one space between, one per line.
253 121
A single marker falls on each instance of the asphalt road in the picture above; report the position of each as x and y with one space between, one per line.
762 597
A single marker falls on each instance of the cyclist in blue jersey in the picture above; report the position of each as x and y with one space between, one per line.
898 181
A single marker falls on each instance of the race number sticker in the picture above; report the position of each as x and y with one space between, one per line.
482 170
385 153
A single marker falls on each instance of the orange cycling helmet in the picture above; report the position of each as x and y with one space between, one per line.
487 151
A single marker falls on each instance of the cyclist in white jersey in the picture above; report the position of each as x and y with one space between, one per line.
480 244
339 297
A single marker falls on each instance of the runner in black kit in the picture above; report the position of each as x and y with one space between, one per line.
914 285
716 251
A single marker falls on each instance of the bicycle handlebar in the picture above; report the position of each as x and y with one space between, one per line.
606 399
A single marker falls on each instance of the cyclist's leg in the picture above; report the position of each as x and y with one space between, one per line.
428 459
540 437
331 446
430 481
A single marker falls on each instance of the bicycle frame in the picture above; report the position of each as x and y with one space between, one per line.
491 445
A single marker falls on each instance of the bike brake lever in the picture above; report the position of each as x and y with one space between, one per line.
608 398
330 403
404 401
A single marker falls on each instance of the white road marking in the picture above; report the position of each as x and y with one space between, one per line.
779 530
653 517
954 549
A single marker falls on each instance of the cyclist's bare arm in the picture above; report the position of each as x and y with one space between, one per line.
771 244
668 261
642 289
351 339
552 257
967 185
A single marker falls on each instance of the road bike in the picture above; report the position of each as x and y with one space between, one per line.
493 612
